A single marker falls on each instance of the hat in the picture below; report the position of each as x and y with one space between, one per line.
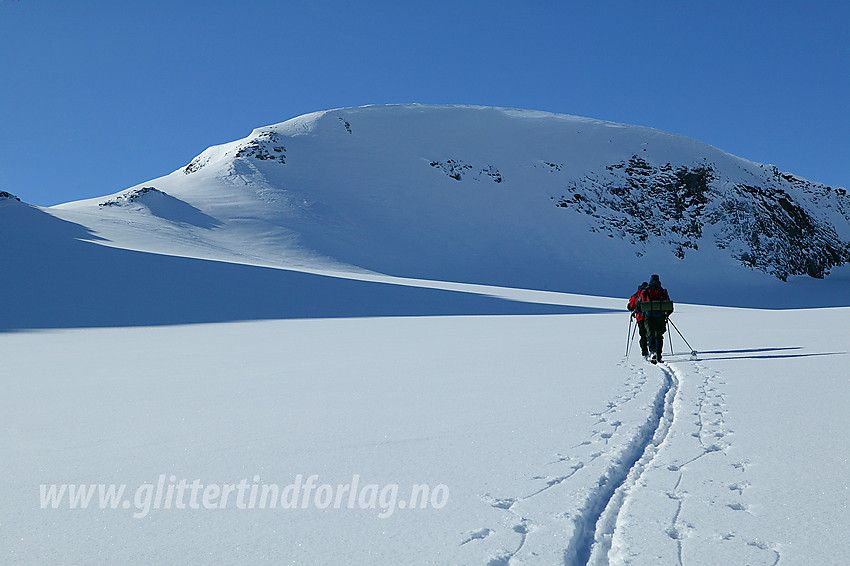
654 281
643 285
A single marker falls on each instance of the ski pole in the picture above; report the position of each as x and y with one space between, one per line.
632 339
628 335
693 352
670 338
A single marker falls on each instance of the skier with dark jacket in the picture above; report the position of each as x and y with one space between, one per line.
638 316
655 321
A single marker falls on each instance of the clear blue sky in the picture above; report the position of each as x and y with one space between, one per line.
99 96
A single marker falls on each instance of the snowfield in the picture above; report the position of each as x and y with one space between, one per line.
530 422
249 365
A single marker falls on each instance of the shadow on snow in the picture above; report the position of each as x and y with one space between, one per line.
770 357
750 350
50 278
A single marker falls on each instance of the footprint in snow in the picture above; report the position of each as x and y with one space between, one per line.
476 535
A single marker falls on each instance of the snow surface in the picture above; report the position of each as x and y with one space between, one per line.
205 331
522 417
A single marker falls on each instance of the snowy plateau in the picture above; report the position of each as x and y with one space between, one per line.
396 335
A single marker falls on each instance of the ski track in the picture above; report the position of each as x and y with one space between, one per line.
597 521
698 412
619 471
593 546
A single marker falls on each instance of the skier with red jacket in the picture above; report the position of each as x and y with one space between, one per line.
655 321
638 316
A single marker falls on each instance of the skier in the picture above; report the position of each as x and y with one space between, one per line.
655 321
638 316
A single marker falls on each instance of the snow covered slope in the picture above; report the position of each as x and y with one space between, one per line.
56 275
496 196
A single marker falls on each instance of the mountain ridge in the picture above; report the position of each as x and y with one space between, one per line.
501 196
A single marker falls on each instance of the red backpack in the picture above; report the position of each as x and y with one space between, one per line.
654 294
634 305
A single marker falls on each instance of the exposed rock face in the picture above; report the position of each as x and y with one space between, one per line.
267 145
131 196
762 225
457 170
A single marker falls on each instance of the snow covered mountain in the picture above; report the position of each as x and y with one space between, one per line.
178 359
494 196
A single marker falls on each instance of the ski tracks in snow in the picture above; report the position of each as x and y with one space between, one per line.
690 505
647 445
665 490
556 521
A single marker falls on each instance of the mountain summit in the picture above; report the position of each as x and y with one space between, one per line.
491 195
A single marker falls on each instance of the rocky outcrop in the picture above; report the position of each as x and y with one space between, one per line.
760 222
130 196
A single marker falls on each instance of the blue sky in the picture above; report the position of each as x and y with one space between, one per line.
99 96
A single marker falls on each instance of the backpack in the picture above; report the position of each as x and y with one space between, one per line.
634 305
654 301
